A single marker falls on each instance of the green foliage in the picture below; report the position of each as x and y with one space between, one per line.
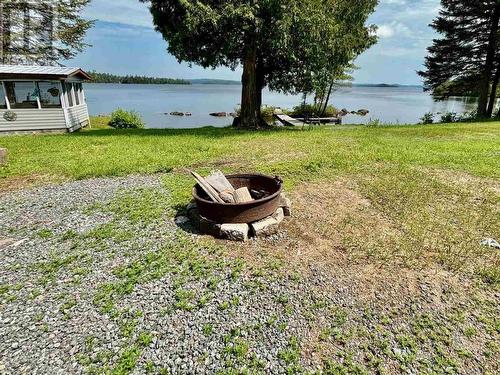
427 118
122 119
464 60
311 110
449 117
112 78
63 43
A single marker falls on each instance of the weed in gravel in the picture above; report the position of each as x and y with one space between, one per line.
145 339
291 356
208 329
45 233
140 205
127 361
185 299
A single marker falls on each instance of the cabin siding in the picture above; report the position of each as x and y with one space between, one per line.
77 116
34 119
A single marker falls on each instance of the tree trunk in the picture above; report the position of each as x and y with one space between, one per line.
488 67
493 94
327 99
251 94
6 25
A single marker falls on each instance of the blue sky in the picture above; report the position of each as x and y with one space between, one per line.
123 41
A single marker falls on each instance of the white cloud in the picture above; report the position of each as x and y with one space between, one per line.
393 2
394 29
385 31
129 12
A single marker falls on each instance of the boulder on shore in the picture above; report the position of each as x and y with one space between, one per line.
218 114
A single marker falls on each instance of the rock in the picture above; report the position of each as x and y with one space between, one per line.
191 206
218 114
265 227
209 227
4 242
286 204
362 112
3 156
175 113
234 232
490 242
188 114
279 215
343 112
181 220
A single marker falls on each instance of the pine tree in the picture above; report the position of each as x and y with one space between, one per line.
41 31
468 54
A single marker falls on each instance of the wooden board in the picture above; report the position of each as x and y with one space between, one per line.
242 195
219 182
207 188
289 121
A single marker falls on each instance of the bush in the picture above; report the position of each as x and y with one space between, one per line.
310 110
266 111
428 118
122 119
373 123
449 117
468 116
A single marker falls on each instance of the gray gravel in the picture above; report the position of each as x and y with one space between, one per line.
52 266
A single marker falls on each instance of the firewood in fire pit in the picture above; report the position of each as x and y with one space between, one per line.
258 194
242 195
227 196
219 182
211 192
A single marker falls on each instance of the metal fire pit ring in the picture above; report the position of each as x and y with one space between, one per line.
242 212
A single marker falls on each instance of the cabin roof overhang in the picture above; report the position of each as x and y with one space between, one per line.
41 72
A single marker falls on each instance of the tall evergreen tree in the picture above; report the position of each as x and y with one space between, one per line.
468 54
283 44
41 31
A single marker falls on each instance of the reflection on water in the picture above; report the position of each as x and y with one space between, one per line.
154 102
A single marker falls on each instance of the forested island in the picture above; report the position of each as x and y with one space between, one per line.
112 78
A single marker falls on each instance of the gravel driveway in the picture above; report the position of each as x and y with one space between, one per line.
95 277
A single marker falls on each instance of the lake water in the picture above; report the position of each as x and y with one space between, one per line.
154 102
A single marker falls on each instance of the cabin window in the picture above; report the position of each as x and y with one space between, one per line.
3 104
22 94
50 94
77 93
68 88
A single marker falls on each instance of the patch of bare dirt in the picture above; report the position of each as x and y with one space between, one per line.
10 184
332 224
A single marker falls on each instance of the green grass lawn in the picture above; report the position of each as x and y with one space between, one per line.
296 155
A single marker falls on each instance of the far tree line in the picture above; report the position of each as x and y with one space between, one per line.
112 78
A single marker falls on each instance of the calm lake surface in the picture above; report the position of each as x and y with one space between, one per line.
154 102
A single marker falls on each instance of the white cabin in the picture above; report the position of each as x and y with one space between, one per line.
42 98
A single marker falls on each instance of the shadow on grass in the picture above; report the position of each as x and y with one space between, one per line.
208 132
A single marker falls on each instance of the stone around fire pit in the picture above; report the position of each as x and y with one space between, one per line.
238 232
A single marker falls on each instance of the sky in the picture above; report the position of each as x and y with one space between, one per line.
124 42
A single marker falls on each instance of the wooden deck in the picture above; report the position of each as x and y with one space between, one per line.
290 121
